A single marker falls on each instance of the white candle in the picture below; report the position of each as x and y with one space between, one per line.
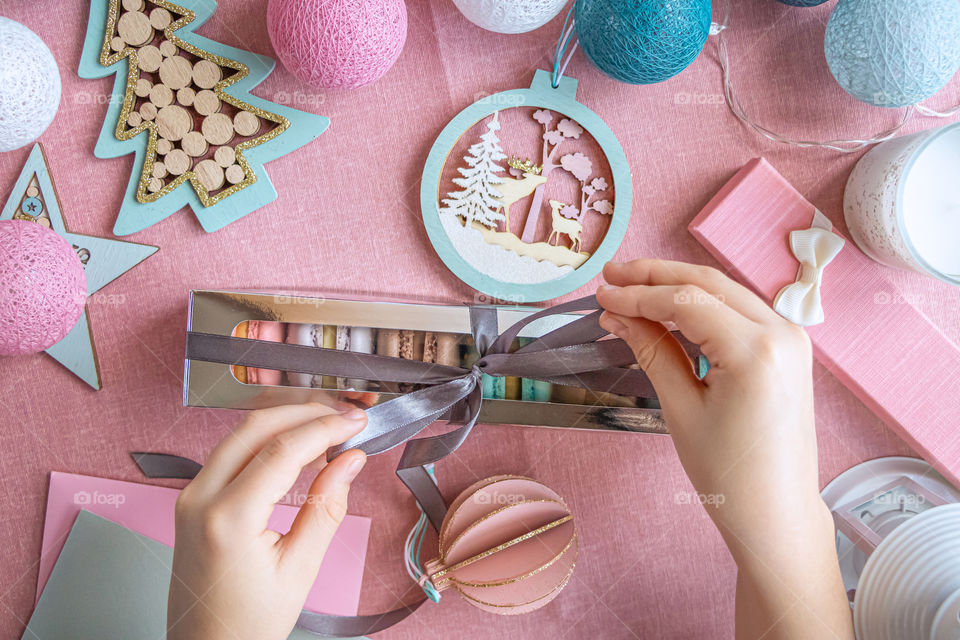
902 203
931 203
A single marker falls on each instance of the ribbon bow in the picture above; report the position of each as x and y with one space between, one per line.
814 248
572 354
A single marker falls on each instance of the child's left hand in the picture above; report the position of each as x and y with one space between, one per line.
233 577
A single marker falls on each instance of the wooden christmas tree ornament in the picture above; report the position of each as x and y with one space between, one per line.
190 96
508 544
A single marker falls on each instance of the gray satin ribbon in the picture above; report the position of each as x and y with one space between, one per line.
570 355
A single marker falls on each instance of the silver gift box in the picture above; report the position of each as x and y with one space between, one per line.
213 385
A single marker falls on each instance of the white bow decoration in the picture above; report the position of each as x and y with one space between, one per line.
814 248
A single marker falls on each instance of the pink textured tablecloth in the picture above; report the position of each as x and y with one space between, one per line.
347 221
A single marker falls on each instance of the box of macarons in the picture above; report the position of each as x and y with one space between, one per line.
226 329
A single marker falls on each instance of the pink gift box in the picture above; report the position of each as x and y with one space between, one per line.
877 344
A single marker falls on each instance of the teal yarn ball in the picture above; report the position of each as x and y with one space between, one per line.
893 53
642 41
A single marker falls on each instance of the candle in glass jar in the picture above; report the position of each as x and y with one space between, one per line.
931 203
902 203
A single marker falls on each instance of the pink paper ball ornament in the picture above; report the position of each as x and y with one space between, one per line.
508 544
43 288
337 44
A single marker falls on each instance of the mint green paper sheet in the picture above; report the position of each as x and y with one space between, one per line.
109 583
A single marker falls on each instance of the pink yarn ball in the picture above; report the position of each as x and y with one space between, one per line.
337 44
43 288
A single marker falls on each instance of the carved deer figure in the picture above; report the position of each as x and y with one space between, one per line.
569 226
513 189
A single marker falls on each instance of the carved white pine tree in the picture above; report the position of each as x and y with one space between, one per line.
476 202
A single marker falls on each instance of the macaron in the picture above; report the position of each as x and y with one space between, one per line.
270 332
240 372
442 348
308 335
359 340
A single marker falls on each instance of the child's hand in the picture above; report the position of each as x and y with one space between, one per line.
232 577
745 433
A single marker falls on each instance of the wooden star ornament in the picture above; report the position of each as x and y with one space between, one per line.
34 198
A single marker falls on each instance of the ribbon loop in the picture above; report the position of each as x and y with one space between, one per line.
483 326
814 249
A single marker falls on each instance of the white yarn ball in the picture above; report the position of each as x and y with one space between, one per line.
29 85
509 16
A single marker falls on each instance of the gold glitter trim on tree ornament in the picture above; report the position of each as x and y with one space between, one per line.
109 57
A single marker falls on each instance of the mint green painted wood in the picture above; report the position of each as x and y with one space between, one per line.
77 353
109 259
561 99
135 216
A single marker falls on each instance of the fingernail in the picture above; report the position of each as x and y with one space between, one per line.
606 288
354 414
354 468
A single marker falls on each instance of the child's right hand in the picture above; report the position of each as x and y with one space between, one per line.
744 434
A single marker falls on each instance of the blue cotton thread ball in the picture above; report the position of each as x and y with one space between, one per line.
893 53
645 41
802 3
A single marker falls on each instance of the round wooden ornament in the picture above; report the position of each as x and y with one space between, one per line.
210 174
173 122
161 95
508 545
149 58
168 49
143 87
472 203
185 96
176 72
160 18
148 111
194 144
206 102
134 28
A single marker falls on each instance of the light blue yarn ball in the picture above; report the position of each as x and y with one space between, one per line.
893 53
802 3
642 41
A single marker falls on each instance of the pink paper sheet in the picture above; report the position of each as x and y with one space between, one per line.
148 510
874 340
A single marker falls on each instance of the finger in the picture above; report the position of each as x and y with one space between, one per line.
240 446
722 333
276 467
362 398
714 282
350 399
658 353
304 546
